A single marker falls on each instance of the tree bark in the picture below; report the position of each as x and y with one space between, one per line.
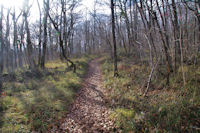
40 35
8 53
114 39
29 43
1 43
21 45
46 5
176 35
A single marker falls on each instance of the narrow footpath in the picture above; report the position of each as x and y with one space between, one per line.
88 114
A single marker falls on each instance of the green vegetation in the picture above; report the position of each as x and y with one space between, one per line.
165 109
33 100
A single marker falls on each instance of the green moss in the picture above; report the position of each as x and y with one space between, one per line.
125 112
35 103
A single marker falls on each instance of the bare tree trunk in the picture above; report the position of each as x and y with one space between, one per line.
127 22
148 23
29 43
40 35
135 22
51 42
72 43
46 5
114 39
94 28
15 45
181 49
176 34
121 36
1 42
153 67
165 39
21 44
8 52
150 77
182 65
15 39
71 32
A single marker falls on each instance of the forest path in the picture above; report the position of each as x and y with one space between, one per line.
88 114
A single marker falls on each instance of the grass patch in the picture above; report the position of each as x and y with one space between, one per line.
33 100
165 109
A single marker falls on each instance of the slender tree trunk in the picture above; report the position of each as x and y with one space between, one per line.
8 56
135 22
40 35
182 65
51 42
46 5
147 24
164 38
181 48
121 34
15 39
1 43
29 43
114 39
176 35
20 45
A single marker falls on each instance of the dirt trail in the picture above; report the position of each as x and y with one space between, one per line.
88 113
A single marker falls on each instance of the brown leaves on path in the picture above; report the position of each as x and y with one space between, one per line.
88 114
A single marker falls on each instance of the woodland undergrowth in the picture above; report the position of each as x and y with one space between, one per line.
173 108
32 100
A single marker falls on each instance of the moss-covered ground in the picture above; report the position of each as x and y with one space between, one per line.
32 100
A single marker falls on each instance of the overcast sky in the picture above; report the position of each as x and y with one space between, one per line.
85 4
18 3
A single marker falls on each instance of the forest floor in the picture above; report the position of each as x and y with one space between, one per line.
33 100
92 100
173 108
89 112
